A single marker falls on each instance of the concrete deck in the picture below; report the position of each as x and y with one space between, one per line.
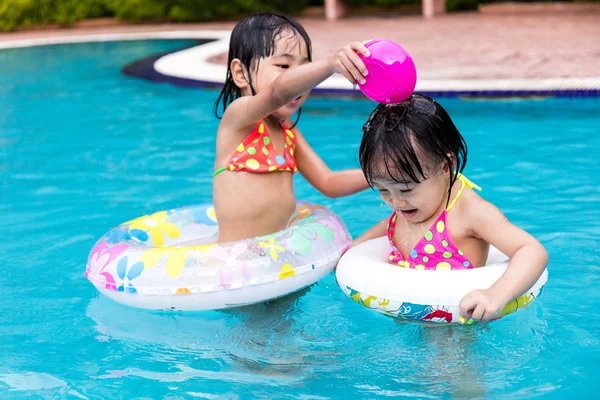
455 46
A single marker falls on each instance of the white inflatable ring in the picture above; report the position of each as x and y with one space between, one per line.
169 260
366 276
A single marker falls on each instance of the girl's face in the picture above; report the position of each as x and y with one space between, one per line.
415 202
290 52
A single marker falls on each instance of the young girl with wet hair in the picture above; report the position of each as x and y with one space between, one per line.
270 72
414 155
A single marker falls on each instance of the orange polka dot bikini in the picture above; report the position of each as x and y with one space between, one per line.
257 154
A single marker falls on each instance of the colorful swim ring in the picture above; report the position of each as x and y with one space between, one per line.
366 276
169 260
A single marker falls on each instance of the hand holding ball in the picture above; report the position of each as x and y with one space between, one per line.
392 74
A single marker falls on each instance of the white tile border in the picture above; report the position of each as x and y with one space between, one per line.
192 64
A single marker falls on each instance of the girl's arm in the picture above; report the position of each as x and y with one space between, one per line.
294 82
317 173
378 230
528 259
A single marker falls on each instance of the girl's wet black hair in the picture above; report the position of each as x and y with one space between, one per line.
253 38
395 134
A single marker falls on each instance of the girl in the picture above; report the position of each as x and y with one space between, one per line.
413 155
270 72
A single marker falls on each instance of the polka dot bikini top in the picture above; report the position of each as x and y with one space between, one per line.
257 154
436 250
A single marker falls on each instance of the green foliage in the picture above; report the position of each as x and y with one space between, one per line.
18 13
462 5
24 13
139 10
69 11
203 10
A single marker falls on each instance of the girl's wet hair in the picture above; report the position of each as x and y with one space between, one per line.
254 38
396 136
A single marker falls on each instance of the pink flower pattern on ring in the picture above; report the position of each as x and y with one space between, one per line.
339 231
230 257
100 258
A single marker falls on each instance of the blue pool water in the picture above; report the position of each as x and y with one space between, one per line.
83 148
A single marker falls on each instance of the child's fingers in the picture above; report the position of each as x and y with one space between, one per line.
358 63
486 316
467 304
360 47
478 312
341 68
466 318
347 75
351 68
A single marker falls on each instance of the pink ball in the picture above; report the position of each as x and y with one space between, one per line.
392 74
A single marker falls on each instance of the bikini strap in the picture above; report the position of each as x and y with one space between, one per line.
464 182
218 171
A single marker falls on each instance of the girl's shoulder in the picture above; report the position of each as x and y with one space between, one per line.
235 108
234 118
468 208
473 211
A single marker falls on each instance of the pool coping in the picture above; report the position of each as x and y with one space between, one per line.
191 68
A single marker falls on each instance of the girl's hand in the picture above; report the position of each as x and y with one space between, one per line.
480 305
348 63
528 259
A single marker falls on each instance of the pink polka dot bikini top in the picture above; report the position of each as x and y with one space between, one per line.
257 154
436 250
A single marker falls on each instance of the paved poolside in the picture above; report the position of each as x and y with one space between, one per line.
454 46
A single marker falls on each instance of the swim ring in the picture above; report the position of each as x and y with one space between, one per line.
366 276
169 260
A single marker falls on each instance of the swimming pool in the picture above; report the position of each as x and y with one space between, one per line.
83 148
